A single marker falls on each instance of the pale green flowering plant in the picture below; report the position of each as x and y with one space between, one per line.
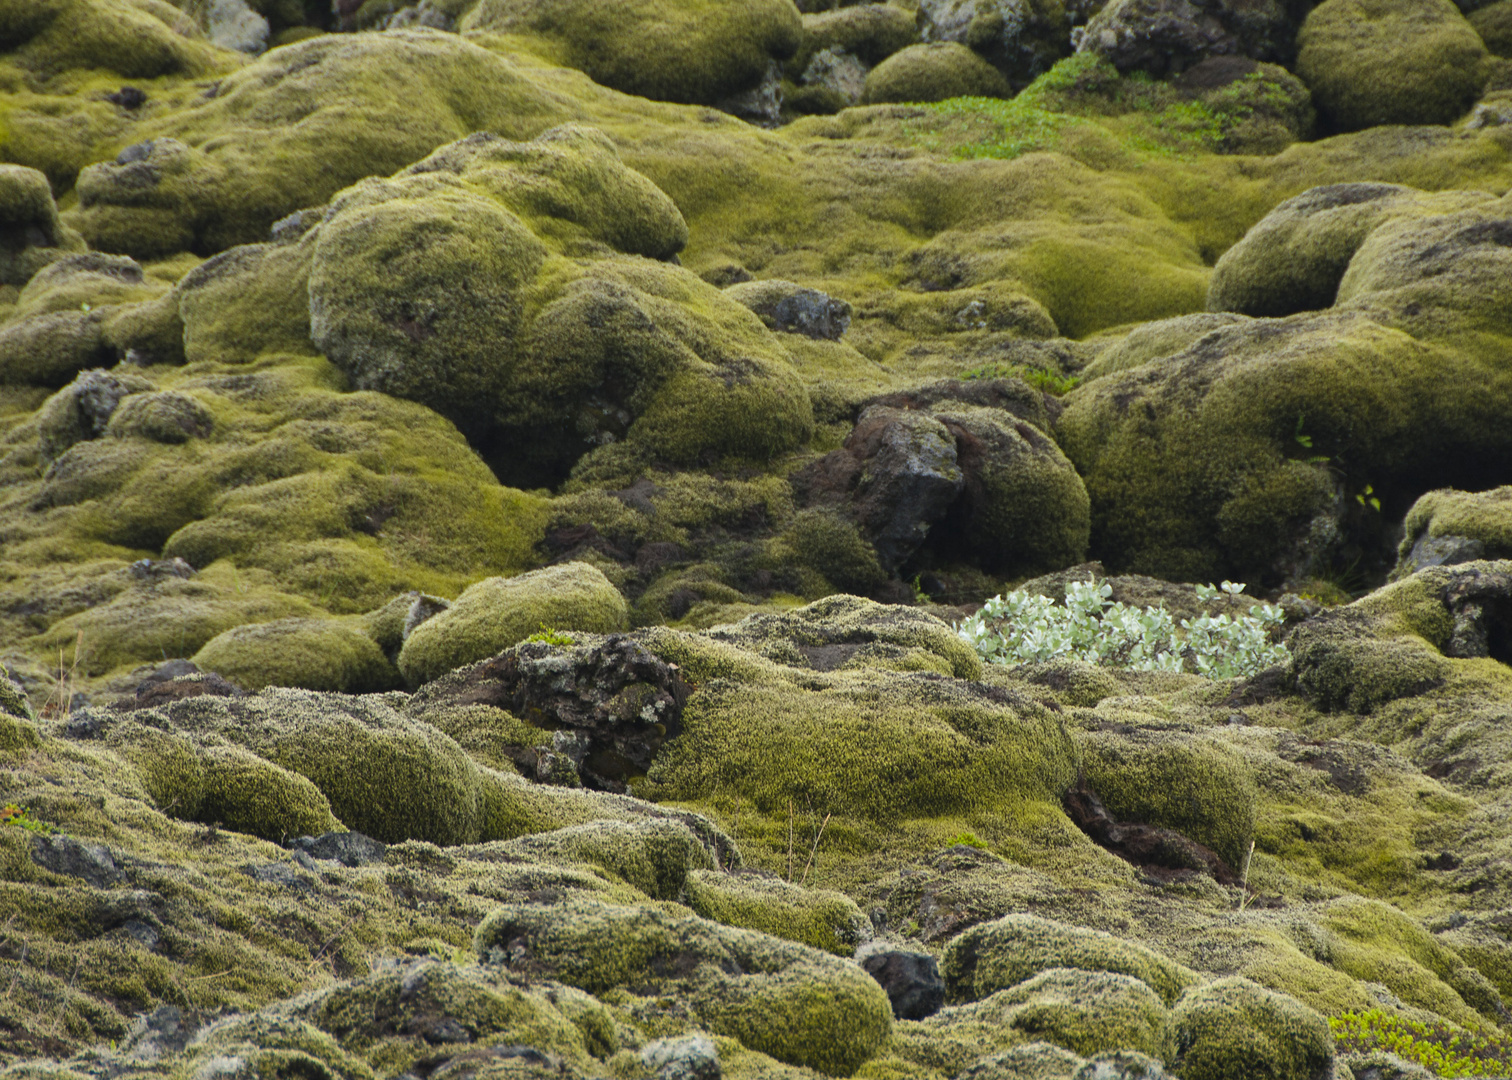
1021 628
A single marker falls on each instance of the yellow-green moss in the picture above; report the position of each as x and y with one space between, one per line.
137 40
1002 954
1198 787
1493 23
312 654
1236 1028
825 920
933 72
1374 62
1485 516
497 613
671 50
249 794
796 1004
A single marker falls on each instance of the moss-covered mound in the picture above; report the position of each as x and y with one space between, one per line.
933 72
499 612
1374 62
1282 492
694 51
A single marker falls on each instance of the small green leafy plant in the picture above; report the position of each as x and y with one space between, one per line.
966 839
11 814
1445 1049
1045 379
1021 628
549 636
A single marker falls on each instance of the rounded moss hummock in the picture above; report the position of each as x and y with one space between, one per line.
1372 62
1235 1029
933 72
689 51
994 956
309 654
497 613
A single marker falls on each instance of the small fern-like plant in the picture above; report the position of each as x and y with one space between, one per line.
550 636
1021 628
11 814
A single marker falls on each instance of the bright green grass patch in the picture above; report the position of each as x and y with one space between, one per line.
1046 379
1447 1049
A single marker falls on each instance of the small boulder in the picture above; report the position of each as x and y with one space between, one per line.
1021 38
83 409
689 1057
1447 527
793 309
1165 37
911 979
65 855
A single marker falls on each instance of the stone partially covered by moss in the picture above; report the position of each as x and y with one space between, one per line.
693 51
1235 1028
1374 62
496 613
1455 526
1002 954
869 32
817 917
1198 787
1348 660
561 355
933 72
33 235
659 857
1083 1012
796 1004
1493 23
312 654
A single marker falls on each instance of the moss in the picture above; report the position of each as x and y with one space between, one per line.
1084 1012
1346 662
1025 508
49 350
29 217
933 72
245 302
1484 516
1155 341
248 794
796 1004
383 774
1374 62
1234 1027
1493 23
312 654
13 701
384 1017
656 857
851 629
1002 954
1031 1061
134 40
830 543
83 410
231 165
694 51
165 417
869 32
1294 259
172 769
1198 787
822 919
499 612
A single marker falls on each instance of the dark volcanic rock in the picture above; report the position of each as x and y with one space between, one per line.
912 980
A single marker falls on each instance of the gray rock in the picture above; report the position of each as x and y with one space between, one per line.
897 474
691 1057
762 104
1019 38
912 979
164 1031
425 14
1165 37
1440 551
64 855
838 72
790 308
424 607
231 24
347 848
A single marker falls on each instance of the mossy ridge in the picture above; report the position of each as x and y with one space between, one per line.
797 1004
818 918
